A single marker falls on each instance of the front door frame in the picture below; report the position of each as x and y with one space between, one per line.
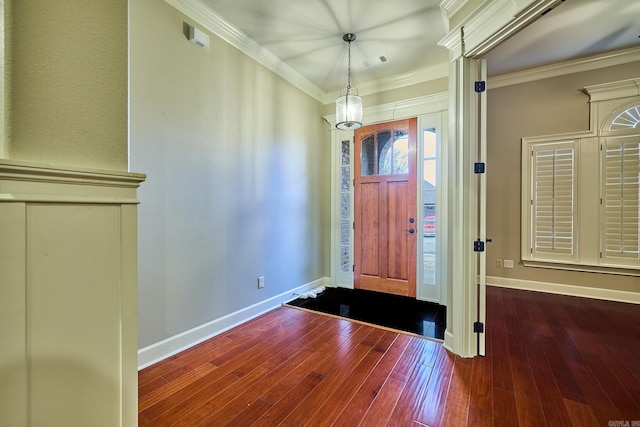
427 109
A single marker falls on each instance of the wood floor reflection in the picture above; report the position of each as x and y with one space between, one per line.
551 361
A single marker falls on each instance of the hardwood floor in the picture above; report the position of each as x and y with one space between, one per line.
551 361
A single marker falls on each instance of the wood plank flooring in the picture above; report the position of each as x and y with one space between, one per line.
551 361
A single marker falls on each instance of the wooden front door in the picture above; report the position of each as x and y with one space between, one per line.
385 228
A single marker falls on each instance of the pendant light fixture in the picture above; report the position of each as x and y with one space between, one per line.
349 104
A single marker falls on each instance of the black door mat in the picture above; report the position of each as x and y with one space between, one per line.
390 311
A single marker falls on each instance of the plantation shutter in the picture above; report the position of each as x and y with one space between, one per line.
619 205
553 200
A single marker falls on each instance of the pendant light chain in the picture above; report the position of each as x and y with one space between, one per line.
349 69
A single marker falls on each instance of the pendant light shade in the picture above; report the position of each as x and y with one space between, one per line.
349 104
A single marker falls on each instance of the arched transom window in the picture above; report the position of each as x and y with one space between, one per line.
628 119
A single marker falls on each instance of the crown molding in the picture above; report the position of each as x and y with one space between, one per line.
422 75
478 27
613 90
451 7
216 24
448 8
595 62
203 15
492 24
509 19
413 107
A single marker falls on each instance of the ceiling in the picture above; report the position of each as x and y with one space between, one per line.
307 36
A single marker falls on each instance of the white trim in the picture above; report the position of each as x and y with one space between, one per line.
414 107
449 342
205 16
161 350
434 72
562 289
614 90
45 183
595 62
484 29
202 14
481 37
451 7
618 270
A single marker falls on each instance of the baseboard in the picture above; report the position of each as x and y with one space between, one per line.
161 350
448 340
557 288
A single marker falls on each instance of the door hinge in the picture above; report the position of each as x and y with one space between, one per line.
478 167
353 268
353 225
478 327
478 246
480 86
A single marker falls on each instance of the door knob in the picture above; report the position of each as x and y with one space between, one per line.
411 231
411 220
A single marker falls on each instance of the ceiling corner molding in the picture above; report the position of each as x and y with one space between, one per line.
492 24
481 25
414 107
451 7
595 62
509 18
216 24
422 75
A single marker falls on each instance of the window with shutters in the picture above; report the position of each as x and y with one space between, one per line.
553 200
581 192
619 210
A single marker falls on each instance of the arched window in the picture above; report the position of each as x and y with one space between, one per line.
628 119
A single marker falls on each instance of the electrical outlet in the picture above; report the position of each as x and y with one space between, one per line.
260 282
499 263
508 263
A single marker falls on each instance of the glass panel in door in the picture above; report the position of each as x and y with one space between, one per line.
429 184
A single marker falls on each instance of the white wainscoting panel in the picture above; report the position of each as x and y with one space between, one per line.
68 296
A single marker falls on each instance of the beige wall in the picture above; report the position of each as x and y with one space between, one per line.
549 106
238 177
67 98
